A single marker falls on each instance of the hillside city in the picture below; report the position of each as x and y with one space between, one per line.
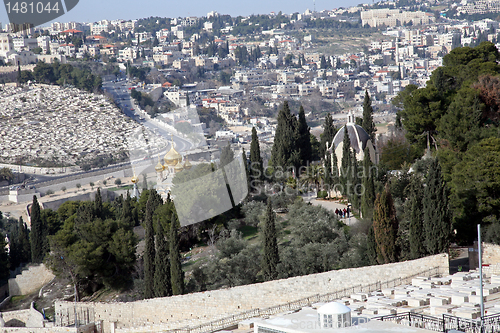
271 173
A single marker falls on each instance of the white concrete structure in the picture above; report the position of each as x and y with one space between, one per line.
334 315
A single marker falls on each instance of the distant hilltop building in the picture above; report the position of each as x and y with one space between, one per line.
479 7
394 17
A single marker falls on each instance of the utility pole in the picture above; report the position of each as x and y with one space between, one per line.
480 249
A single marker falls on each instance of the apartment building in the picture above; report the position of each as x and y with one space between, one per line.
394 17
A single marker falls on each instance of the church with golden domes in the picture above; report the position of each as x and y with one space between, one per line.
172 165
135 191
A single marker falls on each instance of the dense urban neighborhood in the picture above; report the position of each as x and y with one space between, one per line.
270 173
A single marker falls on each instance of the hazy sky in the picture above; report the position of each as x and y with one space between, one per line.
95 10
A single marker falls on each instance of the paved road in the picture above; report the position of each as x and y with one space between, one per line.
120 92
331 206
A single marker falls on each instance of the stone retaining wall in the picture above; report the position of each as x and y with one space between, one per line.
31 279
197 308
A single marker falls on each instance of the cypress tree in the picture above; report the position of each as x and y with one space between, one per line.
4 260
413 212
18 72
322 62
247 171
98 208
271 254
126 214
327 135
303 139
144 182
24 242
354 181
176 272
346 161
368 195
162 286
149 251
335 169
37 241
226 155
14 250
294 159
437 220
368 124
283 147
327 174
385 227
371 247
256 164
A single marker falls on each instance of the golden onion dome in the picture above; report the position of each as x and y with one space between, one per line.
178 167
172 157
159 167
135 179
187 164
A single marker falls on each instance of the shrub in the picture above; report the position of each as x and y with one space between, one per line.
322 194
118 181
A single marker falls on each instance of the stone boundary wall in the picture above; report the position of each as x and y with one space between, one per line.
491 259
42 330
40 170
31 280
11 69
36 324
21 315
180 311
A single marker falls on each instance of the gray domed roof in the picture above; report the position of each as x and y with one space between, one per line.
354 132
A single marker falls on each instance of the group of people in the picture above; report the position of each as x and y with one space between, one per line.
343 213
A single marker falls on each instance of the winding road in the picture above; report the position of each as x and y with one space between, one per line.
120 92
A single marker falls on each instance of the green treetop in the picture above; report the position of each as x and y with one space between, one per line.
303 139
327 135
437 219
385 227
284 144
271 255
176 272
368 195
37 234
368 124
256 164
